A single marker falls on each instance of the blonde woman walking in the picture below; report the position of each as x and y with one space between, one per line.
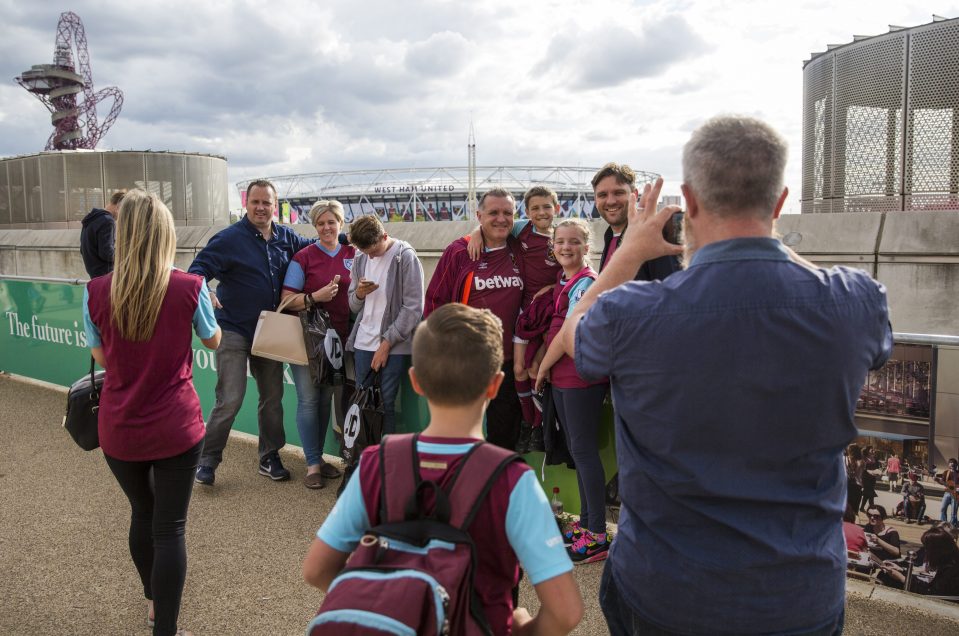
138 320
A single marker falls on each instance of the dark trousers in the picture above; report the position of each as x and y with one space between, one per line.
504 414
854 495
232 359
158 527
579 411
623 621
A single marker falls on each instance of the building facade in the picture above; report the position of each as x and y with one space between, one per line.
881 122
55 190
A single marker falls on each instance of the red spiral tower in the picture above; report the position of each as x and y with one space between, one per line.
58 86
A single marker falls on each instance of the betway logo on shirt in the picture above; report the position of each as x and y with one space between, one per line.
497 282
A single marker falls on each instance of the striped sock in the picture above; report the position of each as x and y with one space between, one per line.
524 390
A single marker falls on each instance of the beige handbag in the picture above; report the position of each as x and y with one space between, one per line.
279 336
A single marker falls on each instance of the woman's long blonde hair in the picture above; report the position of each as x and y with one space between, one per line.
143 255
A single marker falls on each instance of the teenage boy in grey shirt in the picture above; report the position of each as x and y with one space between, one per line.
386 294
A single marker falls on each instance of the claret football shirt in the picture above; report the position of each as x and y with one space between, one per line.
496 284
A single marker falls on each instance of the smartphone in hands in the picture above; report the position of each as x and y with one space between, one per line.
673 231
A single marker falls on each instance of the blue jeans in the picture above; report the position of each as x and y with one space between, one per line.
623 621
313 409
912 510
390 376
947 500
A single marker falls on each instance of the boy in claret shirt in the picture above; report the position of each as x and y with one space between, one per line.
540 271
457 355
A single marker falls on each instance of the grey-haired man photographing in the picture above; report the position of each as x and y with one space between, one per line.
749 360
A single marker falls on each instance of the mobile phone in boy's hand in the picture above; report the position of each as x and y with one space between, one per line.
366 287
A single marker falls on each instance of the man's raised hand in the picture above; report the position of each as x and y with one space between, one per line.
645 235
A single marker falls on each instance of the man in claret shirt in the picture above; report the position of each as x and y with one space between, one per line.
494 282
612 186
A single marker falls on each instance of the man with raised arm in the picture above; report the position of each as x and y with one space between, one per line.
749 360
494 282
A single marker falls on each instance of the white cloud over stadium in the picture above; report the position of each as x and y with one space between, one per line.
290 87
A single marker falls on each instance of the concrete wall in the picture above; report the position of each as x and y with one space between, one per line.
946 444
915 255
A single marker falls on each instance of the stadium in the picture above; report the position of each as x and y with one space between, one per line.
430 194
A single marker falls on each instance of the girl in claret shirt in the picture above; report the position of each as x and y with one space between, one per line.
579 402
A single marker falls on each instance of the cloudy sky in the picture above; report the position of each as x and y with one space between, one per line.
287 86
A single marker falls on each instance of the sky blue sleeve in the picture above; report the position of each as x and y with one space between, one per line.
348 521
576 293
295 278
533 533
593 352
204 322
518 226
93 334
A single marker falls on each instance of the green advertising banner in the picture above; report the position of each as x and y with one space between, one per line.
42 338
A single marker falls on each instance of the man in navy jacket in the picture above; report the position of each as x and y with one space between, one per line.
97 237
249 259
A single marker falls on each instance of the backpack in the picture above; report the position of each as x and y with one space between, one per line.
414 572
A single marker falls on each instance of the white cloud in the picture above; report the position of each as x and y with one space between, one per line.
441 55
293 86
608 56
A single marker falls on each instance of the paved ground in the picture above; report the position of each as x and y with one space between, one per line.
66 569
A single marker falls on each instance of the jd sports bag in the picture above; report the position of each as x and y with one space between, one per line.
413 573
363 422
324 349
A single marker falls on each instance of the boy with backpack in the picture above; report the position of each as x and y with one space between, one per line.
439 523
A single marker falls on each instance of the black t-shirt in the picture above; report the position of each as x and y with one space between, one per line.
891 537
945 583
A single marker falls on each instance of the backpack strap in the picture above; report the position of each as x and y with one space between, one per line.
486 462
399 477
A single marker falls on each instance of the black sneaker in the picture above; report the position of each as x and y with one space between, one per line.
205 475
272 467
522 444
536 440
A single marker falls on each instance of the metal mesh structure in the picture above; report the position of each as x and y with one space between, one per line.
860 154
57 189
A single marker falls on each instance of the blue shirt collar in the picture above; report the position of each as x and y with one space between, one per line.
252 228
334 252
741 249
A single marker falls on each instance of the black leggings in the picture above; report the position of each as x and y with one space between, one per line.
158 527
